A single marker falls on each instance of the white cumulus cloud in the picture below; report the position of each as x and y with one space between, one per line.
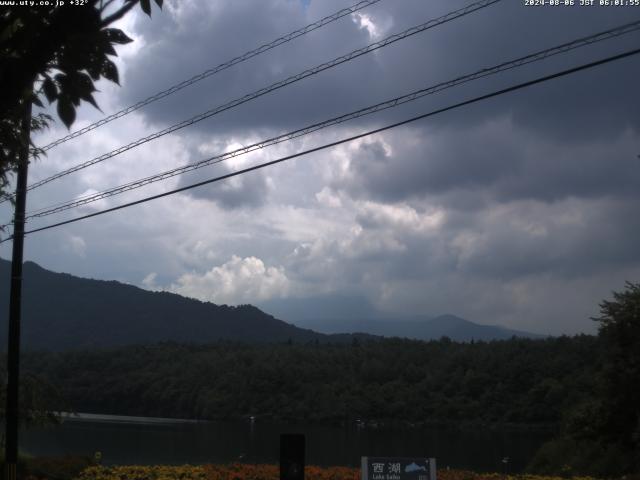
240 280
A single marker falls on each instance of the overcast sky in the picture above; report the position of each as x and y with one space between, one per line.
520 210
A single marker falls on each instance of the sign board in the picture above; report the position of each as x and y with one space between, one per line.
398 468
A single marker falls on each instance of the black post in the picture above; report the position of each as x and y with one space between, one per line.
13 357
292 449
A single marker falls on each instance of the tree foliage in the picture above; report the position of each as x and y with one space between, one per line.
54 53
620 332
518 381
40 401
601 434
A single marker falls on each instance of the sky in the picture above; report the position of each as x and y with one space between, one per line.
519 211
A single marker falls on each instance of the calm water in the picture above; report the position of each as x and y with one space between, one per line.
130 440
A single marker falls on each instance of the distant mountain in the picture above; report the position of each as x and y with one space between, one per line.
329 306
61 312
456 328
343 313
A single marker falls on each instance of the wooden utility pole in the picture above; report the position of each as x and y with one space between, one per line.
13 356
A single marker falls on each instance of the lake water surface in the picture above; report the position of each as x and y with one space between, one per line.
142 440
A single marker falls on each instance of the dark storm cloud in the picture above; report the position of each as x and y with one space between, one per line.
242 191
516 204
493 161
571 239
590 104
586 104
229 29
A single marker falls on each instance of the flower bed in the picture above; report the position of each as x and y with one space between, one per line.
268 472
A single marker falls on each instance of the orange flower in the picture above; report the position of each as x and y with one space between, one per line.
236 471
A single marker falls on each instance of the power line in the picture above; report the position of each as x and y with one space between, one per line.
525 60
349 139
275 86
217 69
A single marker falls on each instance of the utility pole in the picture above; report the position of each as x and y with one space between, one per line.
13 357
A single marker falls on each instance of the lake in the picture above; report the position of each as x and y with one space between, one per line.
142 440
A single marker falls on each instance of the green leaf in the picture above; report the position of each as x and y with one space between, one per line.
110 71
115 35
50 89
66 111
159 3
83 88
146 6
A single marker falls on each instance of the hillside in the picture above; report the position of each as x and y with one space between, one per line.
61 312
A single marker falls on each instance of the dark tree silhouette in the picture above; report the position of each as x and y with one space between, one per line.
55 53
620 331
601 434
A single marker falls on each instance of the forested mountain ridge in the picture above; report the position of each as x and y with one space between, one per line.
61 311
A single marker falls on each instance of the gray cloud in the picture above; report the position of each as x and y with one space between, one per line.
248 190
493 160
593 103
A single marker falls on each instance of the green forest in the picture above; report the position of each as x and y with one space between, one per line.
519 381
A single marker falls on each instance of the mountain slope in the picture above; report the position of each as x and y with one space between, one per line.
61 311
455 328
